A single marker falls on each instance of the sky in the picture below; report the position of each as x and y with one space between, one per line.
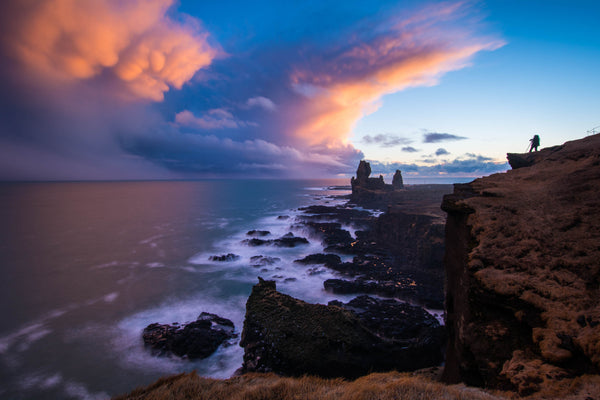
164 89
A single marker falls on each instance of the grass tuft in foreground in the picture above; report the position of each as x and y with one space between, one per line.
253 386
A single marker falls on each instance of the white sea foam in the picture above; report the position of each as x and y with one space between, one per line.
301 281
24 336
151 239
221 364
106 265
109 298
80 391
40 381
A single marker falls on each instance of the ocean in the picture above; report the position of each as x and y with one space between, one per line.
86 266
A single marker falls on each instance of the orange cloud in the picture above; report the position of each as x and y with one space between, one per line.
133 40
350 84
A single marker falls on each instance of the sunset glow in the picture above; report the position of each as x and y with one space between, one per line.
183 89
133 41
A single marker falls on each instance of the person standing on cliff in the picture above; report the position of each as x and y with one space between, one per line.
535 143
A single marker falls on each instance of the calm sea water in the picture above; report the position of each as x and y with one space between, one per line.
86 266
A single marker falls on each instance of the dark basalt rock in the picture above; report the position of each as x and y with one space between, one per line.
397 182
224 257
329 260
288 240
198 339
401 289
348 215
261 261
254 242
290 337
257 233
393 319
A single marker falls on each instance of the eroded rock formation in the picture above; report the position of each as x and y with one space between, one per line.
397 182
523 272
290 337
366 189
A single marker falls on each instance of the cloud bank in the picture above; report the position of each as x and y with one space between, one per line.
107 89
466 165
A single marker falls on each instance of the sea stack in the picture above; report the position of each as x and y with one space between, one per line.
397 182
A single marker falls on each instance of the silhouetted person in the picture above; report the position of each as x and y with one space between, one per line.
535 143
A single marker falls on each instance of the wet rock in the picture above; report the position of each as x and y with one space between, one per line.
257 233
198 339
224 257
395 320
348 215
405 289
255 242
325 259
331 232
290 337
261 261
288 240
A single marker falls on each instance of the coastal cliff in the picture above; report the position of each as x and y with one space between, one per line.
522 266
523 272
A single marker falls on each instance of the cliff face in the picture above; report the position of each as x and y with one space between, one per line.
523 271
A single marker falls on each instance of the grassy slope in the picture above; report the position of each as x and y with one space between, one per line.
384 386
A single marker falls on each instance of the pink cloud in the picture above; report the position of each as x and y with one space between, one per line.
345 85
134 41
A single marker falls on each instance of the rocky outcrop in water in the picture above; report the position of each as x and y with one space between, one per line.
290 337
198 339
287 240
224 257
398 254
523 272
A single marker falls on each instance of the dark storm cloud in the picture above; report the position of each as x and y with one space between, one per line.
198 154
441 152
435 137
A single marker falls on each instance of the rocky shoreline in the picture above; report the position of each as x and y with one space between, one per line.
395 253
522 282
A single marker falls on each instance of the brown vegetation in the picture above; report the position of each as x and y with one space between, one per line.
526 246
387 386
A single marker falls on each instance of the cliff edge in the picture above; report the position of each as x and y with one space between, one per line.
523 272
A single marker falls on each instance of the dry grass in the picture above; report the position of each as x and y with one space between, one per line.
382 386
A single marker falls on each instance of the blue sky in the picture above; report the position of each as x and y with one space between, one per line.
152 89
